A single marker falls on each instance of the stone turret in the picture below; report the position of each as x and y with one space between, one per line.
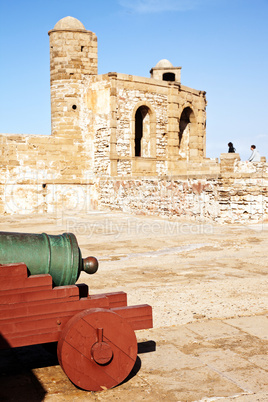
165 71
73 56
73 50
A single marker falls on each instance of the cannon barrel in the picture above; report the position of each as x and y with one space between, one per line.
57 255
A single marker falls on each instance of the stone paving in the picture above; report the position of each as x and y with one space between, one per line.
209 298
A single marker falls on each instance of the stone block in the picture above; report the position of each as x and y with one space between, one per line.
173 127
255 326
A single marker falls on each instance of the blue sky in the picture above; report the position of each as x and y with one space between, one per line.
221 45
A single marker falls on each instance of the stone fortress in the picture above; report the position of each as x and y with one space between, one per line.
124 142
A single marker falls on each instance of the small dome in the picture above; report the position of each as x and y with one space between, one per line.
69 23
164 63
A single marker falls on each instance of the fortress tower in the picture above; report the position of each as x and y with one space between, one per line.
73 56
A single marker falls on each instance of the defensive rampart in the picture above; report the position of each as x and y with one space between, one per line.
237 194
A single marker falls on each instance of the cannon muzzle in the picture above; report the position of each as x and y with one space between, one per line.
57 255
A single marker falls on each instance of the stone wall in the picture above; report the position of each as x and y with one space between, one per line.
61 159
240 198
98 110
163 151
127 100
237 198
35 197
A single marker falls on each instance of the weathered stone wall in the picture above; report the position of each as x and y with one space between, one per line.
243 190
235 199
98 111
35 197
163 150
61 159
192 145
128 99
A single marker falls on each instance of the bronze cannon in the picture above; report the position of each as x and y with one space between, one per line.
40 303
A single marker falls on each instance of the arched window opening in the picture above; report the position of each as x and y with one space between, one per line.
184 123
168 77
185 130
138 132
142 131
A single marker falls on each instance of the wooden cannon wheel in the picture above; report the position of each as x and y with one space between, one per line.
97 349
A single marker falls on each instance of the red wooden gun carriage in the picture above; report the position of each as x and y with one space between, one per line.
97 346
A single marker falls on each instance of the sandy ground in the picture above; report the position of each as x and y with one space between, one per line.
207 285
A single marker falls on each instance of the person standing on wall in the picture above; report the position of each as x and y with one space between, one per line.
231 147
255 155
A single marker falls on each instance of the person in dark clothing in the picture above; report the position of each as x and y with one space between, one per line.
231 147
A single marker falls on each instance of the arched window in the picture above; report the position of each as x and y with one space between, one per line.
184 121
187 129
168 77
142 131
